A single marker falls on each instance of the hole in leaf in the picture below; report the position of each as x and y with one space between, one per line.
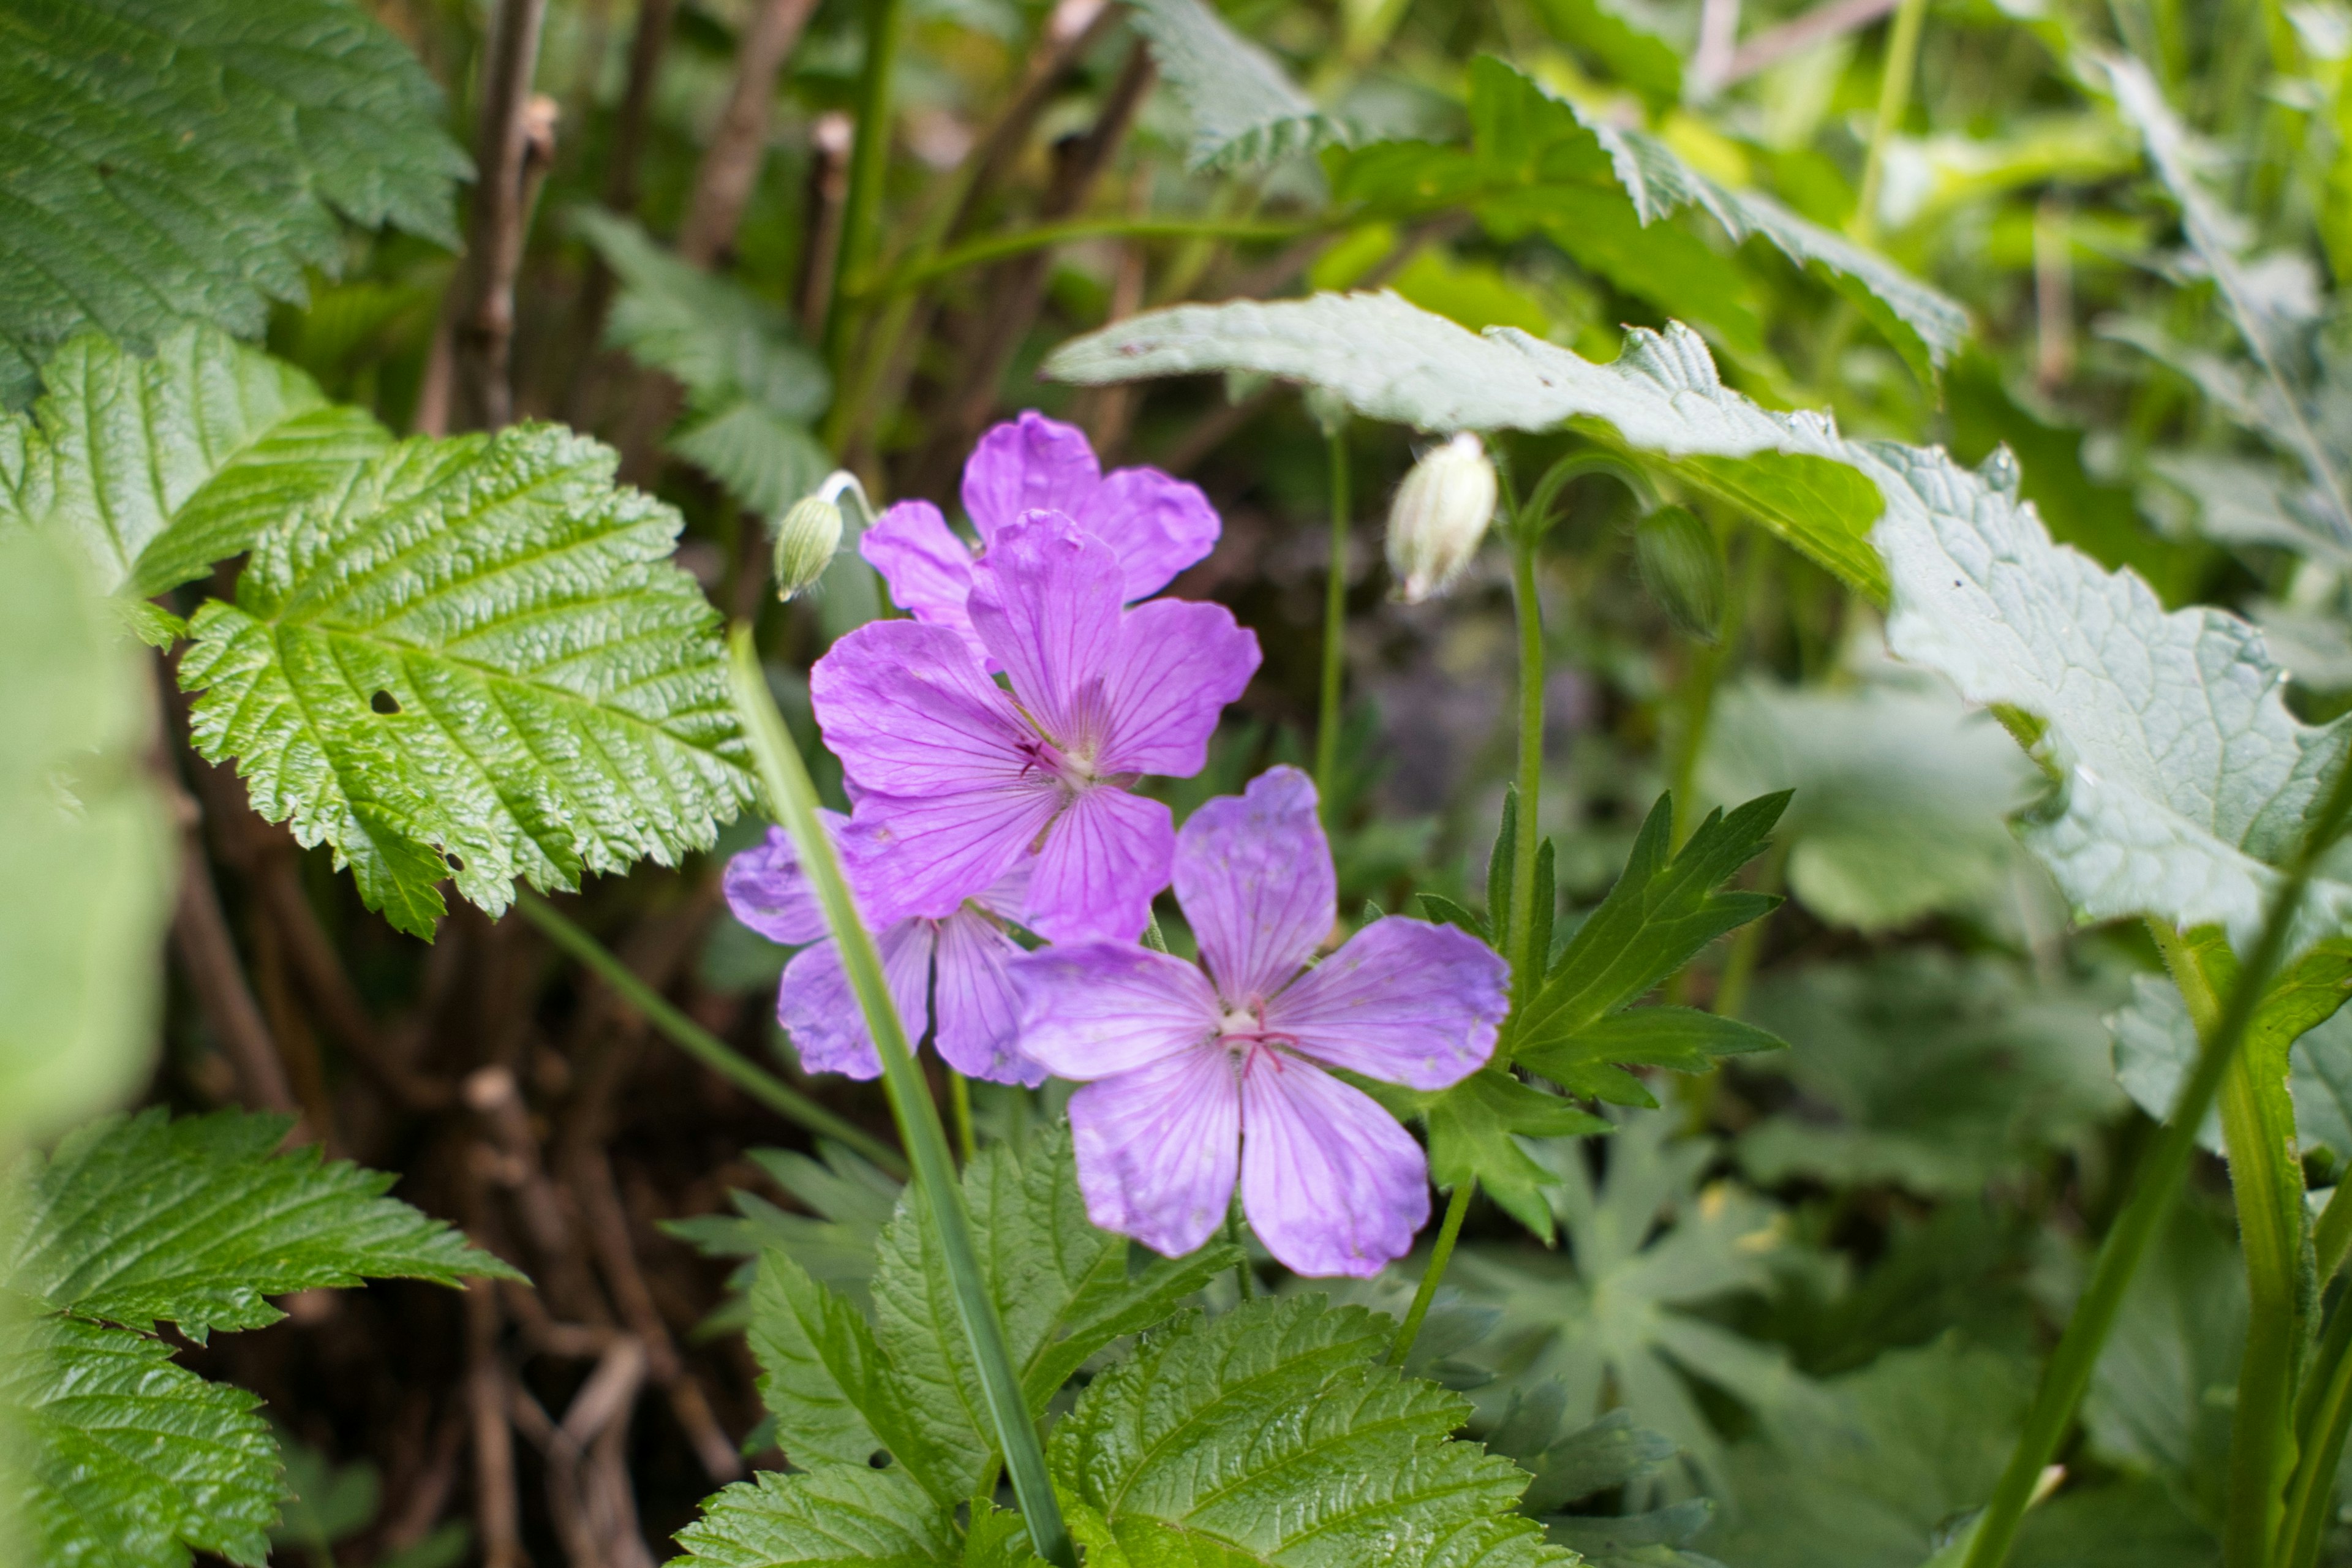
384 702
454 863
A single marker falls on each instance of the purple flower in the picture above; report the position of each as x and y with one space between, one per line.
958 782
1155 525
1184 1065
972 995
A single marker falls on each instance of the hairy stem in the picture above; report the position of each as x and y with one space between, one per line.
1448 1233
794 798
2158 1183
1524 540
2331 1238
700 1043
2324 1416
1335 627
870 155
1894 102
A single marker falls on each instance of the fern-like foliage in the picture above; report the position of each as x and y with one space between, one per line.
475 660
178 160
122 1458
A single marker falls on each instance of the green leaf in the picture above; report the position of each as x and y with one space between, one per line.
1665 907
1273 1434
1642 43
834 1396
1597 1456
196 1222
766 460
327 1502
849 1200
124 1459
834 1514
1245 109
1680 1039
475 660
157 467
184 161
1474 1132
89 852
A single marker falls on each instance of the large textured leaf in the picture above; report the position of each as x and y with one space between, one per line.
124 1459
87 854
157 467
474 660
835 1514
1273 1435
196 1222
175 160
1245 109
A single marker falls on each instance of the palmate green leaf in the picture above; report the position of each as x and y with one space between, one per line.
1245 109
474 660
1474 1132
1273 1434
178 160
196 1222
124 1459
157 467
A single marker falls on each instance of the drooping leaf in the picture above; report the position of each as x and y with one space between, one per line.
475 661
1273 1434
1245 109
157 467
844 1514
184 161
196 1222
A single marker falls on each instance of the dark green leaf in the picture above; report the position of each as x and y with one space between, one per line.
1473 1132
1245 109
1681 1039
845 1514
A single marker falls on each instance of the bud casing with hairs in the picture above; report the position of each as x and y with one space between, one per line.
1681 563
806 541
1439 517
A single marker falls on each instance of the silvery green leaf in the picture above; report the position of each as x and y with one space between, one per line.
2242 502
2312 646
2155 1043
1245 109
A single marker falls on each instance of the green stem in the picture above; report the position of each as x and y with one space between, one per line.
700 1043
1448 1233
2157 1183
1531 738
1244 1283
1335 627
2332 1238
921 269
1894 102
869 157
2323 1419
794 798
959 1107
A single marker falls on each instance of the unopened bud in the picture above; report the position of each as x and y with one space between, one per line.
1682 565
805 543
1440 516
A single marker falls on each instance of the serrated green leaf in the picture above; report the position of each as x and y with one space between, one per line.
1273 1434
1681 1039
763 459
196 1222
475 660
157 467
186 161
1445 911
834 1514
849 1200
820 1374
1474 1128
1243 109
121 1458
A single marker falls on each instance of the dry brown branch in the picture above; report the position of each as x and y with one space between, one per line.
731 164
482 332
647 44
830 140
216 975
498 1514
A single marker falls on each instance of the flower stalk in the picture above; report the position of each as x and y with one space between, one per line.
793 796
1449 1231
1335 627
869 156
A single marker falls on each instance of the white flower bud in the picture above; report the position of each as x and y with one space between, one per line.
1440 516
805 543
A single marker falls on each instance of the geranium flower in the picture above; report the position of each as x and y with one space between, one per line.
1154 524
956 781
971 998
1183 1067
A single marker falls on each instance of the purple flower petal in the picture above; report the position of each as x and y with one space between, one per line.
1330 1183
928 568
1254 877
1178 664
767 890
908 710
926 854
1103 859
820 1012
978 1012
1403 1000
1155 524
1045 602
1155 1149
1029 464
1094 1009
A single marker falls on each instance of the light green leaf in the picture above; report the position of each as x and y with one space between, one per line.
766 460
1245 109
834 1514
186 161
156 467
88 852
1272 1434
1475 1129
476 660
1641 42
196 1222
834 1396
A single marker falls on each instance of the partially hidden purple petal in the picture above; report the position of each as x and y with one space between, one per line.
1155 524
1008 896
1156 1149
820 1012
1403 1000
769 891
1029 464
977 1010
1102 861
1330 1183
1253 878
1177 665
927 567
1045 601
1094 1009
926 854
